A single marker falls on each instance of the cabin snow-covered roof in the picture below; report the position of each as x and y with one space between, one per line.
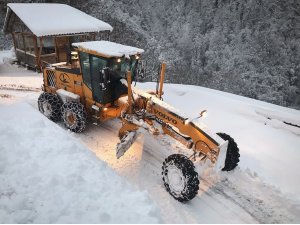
107 48
46 19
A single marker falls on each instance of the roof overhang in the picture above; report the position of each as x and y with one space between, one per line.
49 19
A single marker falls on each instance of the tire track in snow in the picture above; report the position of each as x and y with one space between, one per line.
19 88
213 198
145 173
263 202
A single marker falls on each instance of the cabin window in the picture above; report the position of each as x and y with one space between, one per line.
19 41
48 46
82 38
29 44
97 65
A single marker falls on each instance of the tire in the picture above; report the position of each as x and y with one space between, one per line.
74 116
180 178
233 155
50 105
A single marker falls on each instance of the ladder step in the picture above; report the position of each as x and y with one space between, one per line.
96 117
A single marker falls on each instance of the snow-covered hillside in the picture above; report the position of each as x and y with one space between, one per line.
249 48
263 189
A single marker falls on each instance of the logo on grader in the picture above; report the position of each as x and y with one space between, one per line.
165 116
64 78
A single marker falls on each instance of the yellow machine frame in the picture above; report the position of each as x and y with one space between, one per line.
198 139
136 109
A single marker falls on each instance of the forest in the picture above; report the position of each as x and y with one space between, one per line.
245 47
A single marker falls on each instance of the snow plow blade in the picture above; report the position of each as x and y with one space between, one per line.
220 163
125 143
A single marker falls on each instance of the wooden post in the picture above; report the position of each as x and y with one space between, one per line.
24 45
14 40
56 49
129 92
40 52
36 52
161 81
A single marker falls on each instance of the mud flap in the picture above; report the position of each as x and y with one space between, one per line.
220 163
125 143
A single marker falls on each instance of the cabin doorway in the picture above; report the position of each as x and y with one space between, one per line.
63 49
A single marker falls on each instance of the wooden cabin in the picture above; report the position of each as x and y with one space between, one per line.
44 32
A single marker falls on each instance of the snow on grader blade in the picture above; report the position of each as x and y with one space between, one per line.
125 143
96 85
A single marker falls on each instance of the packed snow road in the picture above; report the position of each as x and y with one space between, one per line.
234 197
265 188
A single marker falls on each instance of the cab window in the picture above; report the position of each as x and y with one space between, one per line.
85 67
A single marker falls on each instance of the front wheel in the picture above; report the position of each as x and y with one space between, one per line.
50 105
233 155
180 178
74 116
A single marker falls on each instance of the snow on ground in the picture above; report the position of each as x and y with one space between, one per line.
241 196
263 189
47 176
17 77
7 56
269 148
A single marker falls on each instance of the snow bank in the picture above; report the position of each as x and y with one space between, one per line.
47 176
268 148
7 56
15 77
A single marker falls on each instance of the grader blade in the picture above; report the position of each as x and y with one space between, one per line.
125 143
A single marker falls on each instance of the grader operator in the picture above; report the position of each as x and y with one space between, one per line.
98 86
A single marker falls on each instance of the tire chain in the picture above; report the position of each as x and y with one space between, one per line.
80 116
55 104
188 170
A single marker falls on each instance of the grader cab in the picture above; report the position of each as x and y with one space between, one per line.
97 86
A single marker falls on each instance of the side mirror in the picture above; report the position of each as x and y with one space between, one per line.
203 113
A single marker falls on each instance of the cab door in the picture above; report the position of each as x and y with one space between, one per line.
100 86
92 67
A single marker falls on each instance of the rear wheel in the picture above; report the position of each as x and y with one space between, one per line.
50 105
74 116
180 178
233 155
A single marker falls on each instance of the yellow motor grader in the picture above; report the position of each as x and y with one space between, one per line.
98 85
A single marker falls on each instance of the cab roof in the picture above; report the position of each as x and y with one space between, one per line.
107 49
